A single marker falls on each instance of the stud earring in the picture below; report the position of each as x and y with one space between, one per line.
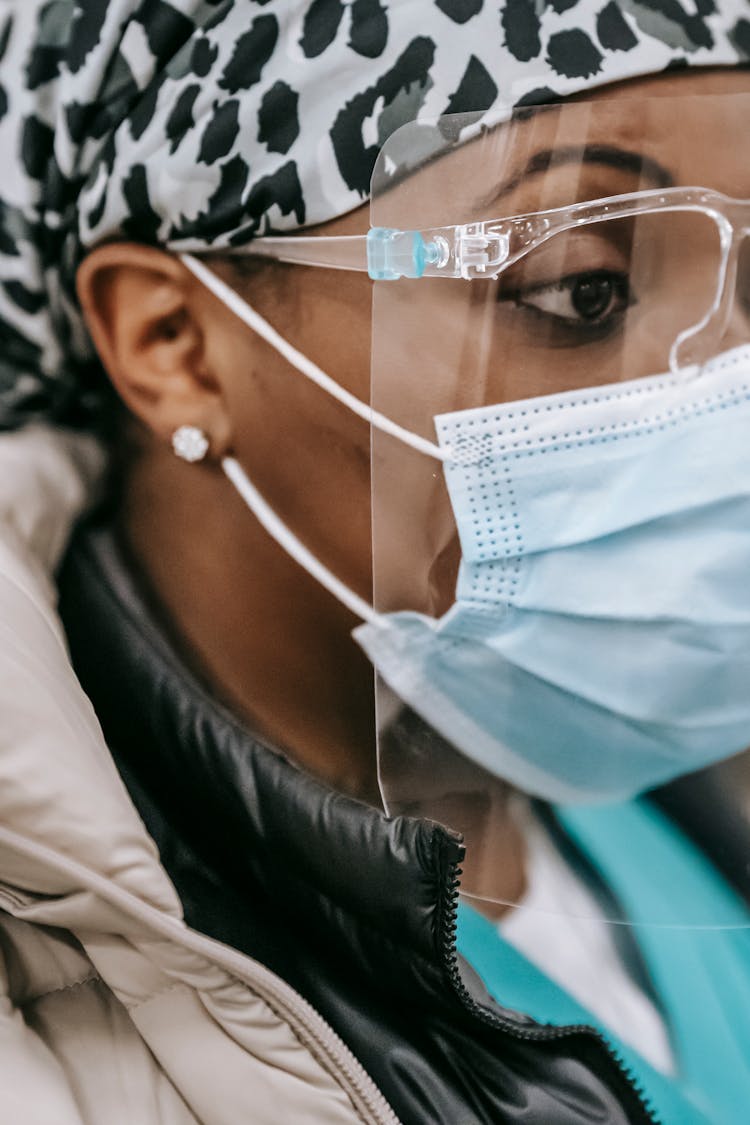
190 443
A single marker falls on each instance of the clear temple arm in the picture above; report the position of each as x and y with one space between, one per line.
342 252
384 254
481 249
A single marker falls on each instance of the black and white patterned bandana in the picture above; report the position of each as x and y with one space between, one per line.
196 124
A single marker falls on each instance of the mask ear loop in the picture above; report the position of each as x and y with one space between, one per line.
305 366
723 290
237 476
289 543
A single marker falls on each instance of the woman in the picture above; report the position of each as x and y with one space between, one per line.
231 695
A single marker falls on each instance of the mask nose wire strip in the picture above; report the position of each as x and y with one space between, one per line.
289 542
255 321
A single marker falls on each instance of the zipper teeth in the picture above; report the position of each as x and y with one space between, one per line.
307 1023
537 1034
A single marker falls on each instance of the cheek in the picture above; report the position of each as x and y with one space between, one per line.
280 411
307 453
325 315
330 322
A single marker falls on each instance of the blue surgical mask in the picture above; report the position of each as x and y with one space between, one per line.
599 642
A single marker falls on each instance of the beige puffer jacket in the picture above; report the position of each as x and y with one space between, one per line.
113 1012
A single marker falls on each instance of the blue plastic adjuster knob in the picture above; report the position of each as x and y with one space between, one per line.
397 253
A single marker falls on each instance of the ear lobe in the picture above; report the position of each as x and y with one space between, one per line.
140 308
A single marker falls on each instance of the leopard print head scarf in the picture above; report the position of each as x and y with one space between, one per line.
199 123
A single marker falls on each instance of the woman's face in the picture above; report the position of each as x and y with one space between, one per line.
380 518
310 457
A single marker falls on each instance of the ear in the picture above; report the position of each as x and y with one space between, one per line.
148 317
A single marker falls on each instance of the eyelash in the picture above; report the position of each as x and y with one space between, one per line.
620 294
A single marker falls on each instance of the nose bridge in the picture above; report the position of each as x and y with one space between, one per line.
726 323
737 212
741 218
736 298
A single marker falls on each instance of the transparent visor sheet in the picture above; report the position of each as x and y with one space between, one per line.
579 590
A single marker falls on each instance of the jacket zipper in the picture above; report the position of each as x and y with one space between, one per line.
303 1017
306 1022
538 1033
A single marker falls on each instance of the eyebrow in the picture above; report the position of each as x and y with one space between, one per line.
635 163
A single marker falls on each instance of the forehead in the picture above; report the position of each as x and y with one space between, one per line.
692 123
580 151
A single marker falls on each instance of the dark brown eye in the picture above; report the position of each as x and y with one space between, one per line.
591 297
587 299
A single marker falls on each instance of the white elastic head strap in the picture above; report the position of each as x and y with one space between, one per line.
289 542
267 332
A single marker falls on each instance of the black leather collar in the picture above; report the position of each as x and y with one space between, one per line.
237 805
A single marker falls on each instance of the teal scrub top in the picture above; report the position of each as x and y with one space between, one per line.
701 976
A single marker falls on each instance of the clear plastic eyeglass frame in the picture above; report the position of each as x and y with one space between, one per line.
485 249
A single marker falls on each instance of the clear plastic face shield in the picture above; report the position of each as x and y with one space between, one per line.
561 566
560 410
